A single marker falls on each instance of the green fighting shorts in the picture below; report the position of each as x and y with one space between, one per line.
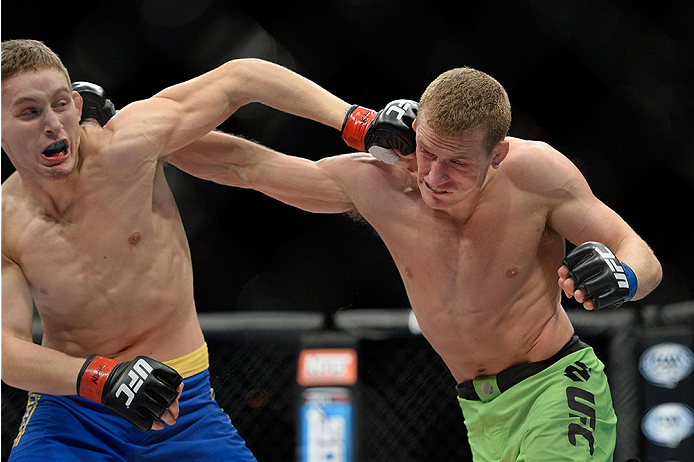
559 409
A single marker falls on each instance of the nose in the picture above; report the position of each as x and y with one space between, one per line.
437 173
51 123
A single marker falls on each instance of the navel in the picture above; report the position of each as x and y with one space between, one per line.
135 237
512 272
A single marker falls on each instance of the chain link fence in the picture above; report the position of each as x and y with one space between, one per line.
405 401
405 406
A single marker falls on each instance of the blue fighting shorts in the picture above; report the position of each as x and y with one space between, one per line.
70 428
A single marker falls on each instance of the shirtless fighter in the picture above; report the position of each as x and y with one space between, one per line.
476 223
92 238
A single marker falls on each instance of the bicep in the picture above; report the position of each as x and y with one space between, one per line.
179 114
589 219
17 319
579 216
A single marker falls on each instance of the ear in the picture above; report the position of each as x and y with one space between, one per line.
414 124
499 153
79 102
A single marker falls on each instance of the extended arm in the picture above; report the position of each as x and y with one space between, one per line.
313 186
183 113
234 161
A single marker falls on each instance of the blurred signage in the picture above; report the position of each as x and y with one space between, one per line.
325 367
326 425
666 364
668 424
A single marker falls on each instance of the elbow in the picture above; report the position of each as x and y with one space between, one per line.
251 68
657 272
9 376
246 73
649 279
9 363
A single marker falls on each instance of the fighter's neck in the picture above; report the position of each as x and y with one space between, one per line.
459 214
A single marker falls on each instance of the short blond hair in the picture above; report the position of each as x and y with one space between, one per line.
463 99
23 55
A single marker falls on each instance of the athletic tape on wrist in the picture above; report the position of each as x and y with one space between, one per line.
631 279
93 377
355 125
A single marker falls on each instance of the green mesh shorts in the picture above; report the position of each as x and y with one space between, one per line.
555 410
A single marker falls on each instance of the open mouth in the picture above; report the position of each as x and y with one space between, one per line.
56 150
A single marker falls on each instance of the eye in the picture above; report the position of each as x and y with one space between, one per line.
461 165
427 155
61 104
28 112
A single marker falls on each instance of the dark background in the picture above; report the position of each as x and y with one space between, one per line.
609 84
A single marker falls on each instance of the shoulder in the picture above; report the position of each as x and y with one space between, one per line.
118 147
15 210
379 191
362 172
11 194
537 167
357 160
138 130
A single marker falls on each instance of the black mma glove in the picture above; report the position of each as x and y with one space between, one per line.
600 275
380 132
139 390
96 105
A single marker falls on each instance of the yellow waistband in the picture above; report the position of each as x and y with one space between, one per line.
192 363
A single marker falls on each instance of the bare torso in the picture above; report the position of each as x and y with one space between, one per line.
484 289
112 273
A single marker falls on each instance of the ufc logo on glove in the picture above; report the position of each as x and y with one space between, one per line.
149 387
614 265
138 375
399 106
600 275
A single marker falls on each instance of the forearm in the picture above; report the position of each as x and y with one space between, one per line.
219 157
640 258
209 99
183 113
234 161
287 91
32 367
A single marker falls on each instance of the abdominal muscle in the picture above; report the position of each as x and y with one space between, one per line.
483 339
161 332
110 294
486 306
